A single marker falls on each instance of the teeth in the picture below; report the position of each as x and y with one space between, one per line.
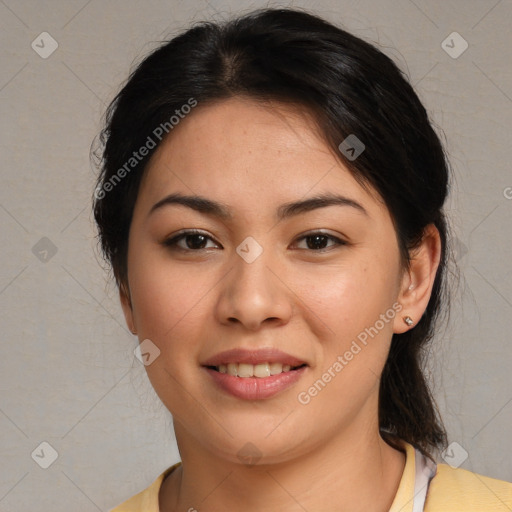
275 368
253 370
245 370
262 370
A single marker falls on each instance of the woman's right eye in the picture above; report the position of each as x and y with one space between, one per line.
189 241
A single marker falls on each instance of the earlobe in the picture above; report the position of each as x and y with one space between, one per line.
418 281
126 304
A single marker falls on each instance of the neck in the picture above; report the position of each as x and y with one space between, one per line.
353 472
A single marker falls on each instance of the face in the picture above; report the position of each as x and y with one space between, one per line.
248 277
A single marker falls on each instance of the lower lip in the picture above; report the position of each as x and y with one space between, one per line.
256 388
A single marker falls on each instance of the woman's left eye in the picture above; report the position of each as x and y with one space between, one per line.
318 241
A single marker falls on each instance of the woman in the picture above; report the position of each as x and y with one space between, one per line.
271 202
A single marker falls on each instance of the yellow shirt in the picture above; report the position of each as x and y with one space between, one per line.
450 490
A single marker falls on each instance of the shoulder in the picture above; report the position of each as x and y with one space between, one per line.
146 500
460 490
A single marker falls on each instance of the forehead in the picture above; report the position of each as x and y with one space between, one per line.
241 151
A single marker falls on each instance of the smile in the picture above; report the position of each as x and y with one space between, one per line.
254 374
262 370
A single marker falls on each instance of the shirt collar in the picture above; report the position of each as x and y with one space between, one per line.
413 487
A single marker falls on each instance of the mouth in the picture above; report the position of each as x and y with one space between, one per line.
260 371
254 374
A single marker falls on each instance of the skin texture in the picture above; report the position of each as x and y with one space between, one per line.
326 455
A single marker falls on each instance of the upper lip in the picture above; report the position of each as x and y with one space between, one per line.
259 356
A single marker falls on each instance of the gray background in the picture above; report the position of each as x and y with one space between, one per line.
68 375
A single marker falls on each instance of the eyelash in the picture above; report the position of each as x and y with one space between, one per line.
172 243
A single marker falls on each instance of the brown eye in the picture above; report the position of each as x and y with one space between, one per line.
189 241
319 241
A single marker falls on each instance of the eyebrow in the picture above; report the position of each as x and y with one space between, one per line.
286 210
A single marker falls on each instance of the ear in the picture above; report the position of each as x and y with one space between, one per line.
417 282
126 304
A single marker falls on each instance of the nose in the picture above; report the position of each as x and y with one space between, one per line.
253 295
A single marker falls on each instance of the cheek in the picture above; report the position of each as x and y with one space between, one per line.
352 308
353 351
166 298
347 297
168 302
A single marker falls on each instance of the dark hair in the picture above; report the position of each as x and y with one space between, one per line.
349 87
